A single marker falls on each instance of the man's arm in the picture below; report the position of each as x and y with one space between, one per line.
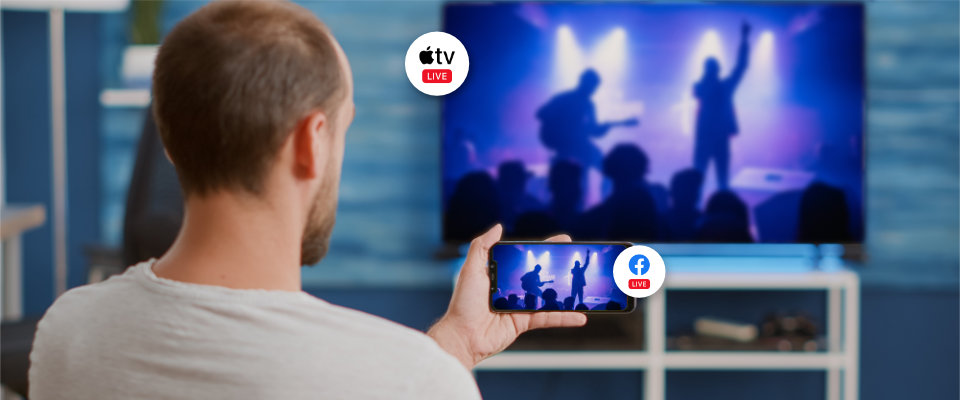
469 330
593 128
743 57
587 262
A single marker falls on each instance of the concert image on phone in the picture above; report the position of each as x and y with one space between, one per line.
533 276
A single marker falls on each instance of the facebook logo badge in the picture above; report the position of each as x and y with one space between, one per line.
640 260
639 271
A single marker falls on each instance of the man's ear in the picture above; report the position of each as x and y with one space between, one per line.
307 138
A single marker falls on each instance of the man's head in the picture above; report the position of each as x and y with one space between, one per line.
253 99
576 264
536 268
711 69
625 165
512 177
589 82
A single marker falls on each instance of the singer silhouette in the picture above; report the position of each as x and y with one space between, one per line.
716 119
579 280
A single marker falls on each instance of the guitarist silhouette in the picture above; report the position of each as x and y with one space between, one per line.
568 122
530 282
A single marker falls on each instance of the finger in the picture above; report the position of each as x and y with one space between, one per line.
559 238
477 254
556 320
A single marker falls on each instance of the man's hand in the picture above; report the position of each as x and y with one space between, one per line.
469 330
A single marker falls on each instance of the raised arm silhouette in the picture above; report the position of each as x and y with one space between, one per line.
716 119
579 280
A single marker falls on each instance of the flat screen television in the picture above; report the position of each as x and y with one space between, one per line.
695 122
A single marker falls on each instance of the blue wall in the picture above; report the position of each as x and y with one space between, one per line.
26 77
909 303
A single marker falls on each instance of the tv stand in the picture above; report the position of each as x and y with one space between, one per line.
840 361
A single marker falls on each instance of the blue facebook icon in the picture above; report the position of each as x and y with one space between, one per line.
639 259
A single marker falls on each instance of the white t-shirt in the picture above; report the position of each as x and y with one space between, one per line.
138 336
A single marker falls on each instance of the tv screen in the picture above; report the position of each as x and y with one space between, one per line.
702 122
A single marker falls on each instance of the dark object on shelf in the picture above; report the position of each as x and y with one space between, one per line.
706 343
778 332
798 324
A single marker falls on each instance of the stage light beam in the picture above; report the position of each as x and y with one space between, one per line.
569 58
544 260
761 82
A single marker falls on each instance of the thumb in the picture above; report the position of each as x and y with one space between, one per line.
479 248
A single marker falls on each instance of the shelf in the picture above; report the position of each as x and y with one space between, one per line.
566 360
722 360
672 360
758 281
18 218
125 98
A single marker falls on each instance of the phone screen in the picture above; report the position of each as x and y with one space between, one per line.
533 276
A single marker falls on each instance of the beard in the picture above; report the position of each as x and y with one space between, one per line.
316 233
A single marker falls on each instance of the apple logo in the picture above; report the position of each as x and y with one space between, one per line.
426 56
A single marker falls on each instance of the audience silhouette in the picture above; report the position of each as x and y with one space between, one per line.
568 303
530 301
501 304
550 300
683 215
726 220
512 179
716 119
613 306
566 187
823 216
513 302
473 207
629 213
582 307
534 225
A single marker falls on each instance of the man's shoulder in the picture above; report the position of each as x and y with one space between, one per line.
361 325
87 297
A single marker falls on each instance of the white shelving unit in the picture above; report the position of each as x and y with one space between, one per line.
840 361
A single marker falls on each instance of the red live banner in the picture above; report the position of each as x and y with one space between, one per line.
437 76
639 284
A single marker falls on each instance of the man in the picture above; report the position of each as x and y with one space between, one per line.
252 101
579 280
568 123
716 120
530 282
568 126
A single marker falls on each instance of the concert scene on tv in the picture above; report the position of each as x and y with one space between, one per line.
657 122
556 277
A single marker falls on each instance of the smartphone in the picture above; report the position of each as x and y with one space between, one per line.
556 276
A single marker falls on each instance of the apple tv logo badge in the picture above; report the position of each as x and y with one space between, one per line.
426 56
437 63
